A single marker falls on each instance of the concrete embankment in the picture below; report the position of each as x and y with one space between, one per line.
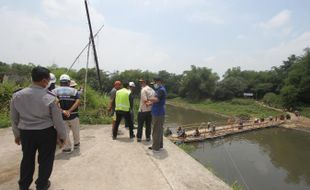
102 163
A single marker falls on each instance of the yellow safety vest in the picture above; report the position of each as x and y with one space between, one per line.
122 100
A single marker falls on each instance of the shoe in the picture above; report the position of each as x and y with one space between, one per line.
151 148
148 139
46 187
77 146
113 138
138 140
132 136
66 151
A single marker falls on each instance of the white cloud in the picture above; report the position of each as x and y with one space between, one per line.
43 43
241 37
277 21
204 17
71 10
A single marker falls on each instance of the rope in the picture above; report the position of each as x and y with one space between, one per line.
236 167
89 42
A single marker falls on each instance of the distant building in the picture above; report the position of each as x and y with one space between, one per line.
248 95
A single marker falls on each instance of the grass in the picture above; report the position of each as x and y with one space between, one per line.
235 107
305 111
188 148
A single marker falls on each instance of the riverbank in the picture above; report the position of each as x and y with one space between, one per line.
231 108
102 163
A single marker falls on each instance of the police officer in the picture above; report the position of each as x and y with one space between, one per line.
123 105
36 123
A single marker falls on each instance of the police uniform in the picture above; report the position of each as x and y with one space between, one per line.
36 120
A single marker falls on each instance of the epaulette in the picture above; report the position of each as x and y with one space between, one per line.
51 93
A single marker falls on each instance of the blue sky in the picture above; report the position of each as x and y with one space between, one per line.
156 34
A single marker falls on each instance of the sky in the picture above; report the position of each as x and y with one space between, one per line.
156 35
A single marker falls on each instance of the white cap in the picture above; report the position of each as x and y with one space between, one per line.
73 83
64 77
52 78
132 84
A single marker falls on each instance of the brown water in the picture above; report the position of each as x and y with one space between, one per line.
272 159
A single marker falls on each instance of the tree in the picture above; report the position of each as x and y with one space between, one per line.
198 83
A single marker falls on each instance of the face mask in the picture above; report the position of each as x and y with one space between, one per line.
156 86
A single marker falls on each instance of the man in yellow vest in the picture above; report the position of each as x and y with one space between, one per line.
123 105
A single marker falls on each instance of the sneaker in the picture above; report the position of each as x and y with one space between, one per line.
77 146
66 151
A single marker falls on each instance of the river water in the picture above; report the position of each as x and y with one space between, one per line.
275 158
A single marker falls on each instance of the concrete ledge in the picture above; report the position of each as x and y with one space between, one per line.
102 163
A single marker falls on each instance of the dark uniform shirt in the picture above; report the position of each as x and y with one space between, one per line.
67 97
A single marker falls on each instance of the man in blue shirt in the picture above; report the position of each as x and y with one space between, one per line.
158 114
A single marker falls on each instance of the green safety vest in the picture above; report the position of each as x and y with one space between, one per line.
122 100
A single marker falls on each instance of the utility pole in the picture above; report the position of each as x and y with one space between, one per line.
93 44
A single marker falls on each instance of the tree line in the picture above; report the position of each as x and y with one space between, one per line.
287 85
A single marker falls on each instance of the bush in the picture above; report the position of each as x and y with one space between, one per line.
271 99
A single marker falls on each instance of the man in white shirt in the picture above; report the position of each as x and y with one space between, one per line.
144 113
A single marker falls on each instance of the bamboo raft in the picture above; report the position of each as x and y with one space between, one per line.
222 131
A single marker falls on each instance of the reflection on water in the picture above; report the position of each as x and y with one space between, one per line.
267 159
180 116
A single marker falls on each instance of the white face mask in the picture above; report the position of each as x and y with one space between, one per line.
156 86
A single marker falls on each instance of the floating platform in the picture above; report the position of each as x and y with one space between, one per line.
222 131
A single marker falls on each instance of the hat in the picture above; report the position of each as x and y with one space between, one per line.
141 80
52 78
157 78
73 83
64 77
132 84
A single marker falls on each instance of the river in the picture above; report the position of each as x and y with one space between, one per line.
274 158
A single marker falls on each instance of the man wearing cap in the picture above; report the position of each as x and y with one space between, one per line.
158 114
144 112
69 100
117 86
52 83
132 87
123 105
36 123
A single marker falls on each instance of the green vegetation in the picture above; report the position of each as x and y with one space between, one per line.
305 111
236 186
188 148
235 107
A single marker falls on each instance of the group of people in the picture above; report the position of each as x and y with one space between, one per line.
44 114
151 110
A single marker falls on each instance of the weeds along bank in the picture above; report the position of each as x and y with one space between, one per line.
95 112
237 107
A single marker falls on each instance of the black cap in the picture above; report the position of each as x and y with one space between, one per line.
157 78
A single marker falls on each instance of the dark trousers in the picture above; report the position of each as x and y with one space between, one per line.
128 122
144 117
158 129
43 141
